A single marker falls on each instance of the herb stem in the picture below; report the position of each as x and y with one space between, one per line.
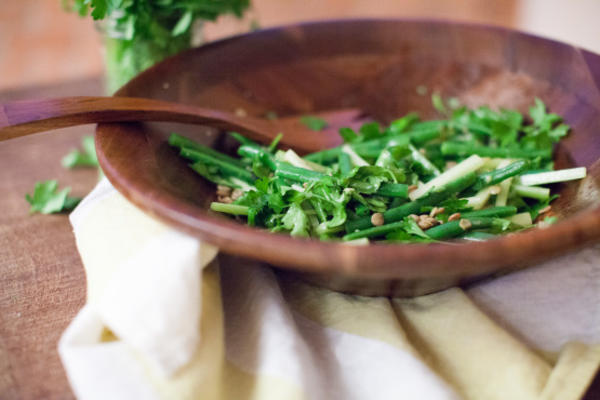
226 167
467 149
465 167
534 192
497 212
233 209
192 148
560 175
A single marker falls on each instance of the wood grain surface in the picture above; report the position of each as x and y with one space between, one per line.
42 282
26 117
375 66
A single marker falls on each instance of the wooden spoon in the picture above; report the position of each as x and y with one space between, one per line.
26 117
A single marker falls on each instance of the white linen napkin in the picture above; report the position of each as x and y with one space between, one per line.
165 319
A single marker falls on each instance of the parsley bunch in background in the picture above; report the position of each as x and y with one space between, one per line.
140 33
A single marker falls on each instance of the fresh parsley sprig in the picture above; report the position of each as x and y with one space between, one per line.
47 199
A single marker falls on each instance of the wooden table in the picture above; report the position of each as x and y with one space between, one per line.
42 281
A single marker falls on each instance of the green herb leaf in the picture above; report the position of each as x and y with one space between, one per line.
413 228
438 104
47 200
368 179
296 221
85 158
183 24
348 135
402 124
410 232
369 131
313 123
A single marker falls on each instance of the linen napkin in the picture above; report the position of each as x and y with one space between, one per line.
167 319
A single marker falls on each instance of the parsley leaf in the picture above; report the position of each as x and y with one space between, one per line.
370 130
438 104
144 32
402 124
183 24
296 221
368 179
409 233
348 135
546 130
47 200
85 158
313 123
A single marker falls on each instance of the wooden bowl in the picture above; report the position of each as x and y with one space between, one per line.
376 65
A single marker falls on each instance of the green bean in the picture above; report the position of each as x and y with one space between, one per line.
182 142
423 132
427 167
414 207
372 148
374 231
243 140
455 228
344 163
257 154
224 166
297 174
498 212
233 209
393 190
466 149
500 174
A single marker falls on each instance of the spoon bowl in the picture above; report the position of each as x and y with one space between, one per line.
386 68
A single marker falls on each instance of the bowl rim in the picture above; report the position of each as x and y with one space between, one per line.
435 259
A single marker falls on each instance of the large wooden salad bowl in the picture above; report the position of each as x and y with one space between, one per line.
377 66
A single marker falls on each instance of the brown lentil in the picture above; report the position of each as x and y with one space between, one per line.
223 190
377 219
224 199
454 217
426 222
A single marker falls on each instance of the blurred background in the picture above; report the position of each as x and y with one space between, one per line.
40 44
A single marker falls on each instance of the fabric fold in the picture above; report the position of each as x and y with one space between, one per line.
165 319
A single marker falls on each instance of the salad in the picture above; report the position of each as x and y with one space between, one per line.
473 175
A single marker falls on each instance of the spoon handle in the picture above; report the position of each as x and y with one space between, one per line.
23 118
